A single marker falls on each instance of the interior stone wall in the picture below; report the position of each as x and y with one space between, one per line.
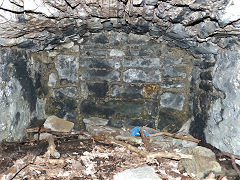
44 68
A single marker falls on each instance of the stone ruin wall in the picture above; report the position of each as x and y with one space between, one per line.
149 62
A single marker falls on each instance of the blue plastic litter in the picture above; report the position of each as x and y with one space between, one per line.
135 131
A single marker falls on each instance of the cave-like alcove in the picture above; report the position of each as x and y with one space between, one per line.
160 64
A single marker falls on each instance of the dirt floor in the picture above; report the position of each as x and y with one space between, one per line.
79 159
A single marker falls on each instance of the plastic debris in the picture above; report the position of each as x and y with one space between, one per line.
135 131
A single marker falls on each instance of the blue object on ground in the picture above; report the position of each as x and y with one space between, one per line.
135 131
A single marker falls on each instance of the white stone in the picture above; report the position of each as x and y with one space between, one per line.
115 52
143 173
52 80
40 7
231 13
96 121
137 2
57 124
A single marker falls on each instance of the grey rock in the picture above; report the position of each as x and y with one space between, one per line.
101 75
221 130
127 91
170 71
68 92
203 162
206 48
151 2
100 63
142 173
136 75
172 100
205 29
148 12
52 80
67 67
178 31
115 52
96 121
142 62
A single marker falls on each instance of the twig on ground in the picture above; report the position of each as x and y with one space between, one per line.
145 139
176 156
233 158
175 136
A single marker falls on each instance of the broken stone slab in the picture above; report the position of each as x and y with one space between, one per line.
57 124
96 121
142 173
202 163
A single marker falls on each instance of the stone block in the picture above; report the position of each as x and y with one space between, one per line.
137 75
131 122
67 67
96 121
100 39
146 172
171 120
52 80
142 62
97 52
172 71
111 108
127 91
100 75
99 90
57 124
137 39
170 60
116 52
99 63
172 100
65 92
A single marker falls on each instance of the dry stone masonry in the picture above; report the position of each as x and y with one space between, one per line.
135 62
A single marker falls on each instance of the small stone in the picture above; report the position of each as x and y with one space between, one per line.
68 45
96 121
137 2
203 162
142 173
57 124
115 52
172 100
52 80
151 2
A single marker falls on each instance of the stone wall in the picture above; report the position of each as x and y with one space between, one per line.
138 61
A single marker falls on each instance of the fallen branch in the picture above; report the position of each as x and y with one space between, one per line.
233 158
42 130
145 154
145 139
175 136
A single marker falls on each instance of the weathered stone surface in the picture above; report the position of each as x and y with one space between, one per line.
136 75
142 62
99 90
96 121
101 75
129 91
68 92
52 81
222 130
172 100
115 52
171 71
203 162
142 173
100 63
67 67
57 124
